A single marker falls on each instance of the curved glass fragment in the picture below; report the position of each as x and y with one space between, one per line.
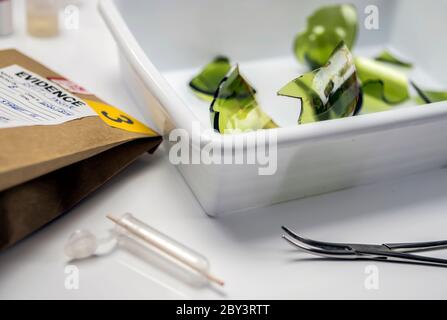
325 29
205 84
234 108
387 56
383 86
330 92
428 96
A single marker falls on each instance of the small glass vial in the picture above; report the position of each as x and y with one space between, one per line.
42 17
5 17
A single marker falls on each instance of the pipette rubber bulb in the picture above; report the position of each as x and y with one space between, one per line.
81 244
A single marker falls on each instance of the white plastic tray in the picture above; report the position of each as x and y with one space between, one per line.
163 43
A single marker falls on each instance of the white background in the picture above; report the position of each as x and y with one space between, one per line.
245 249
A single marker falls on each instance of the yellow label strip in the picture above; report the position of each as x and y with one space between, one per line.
116 118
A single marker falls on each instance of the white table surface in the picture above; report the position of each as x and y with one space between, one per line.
245 249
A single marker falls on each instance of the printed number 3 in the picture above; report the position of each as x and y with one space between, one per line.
120 119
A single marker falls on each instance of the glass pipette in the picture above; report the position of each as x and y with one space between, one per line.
186 256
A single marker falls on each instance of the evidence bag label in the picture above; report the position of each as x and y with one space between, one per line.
27 99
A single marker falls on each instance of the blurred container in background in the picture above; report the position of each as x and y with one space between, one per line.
5 17
42 17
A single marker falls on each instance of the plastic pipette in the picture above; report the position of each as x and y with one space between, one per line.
186 256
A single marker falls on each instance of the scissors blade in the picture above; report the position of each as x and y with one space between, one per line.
315 243
338 254
388 255
417 246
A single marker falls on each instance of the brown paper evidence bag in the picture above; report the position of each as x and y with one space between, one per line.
46 169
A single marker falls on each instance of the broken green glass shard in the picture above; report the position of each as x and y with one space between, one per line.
205 84
388 57
372 104
382 81
330 92
235 109
435 96
325 29
429 96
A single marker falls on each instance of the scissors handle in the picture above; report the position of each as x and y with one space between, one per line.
403 257
417 246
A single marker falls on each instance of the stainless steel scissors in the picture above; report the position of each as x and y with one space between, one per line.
383 252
